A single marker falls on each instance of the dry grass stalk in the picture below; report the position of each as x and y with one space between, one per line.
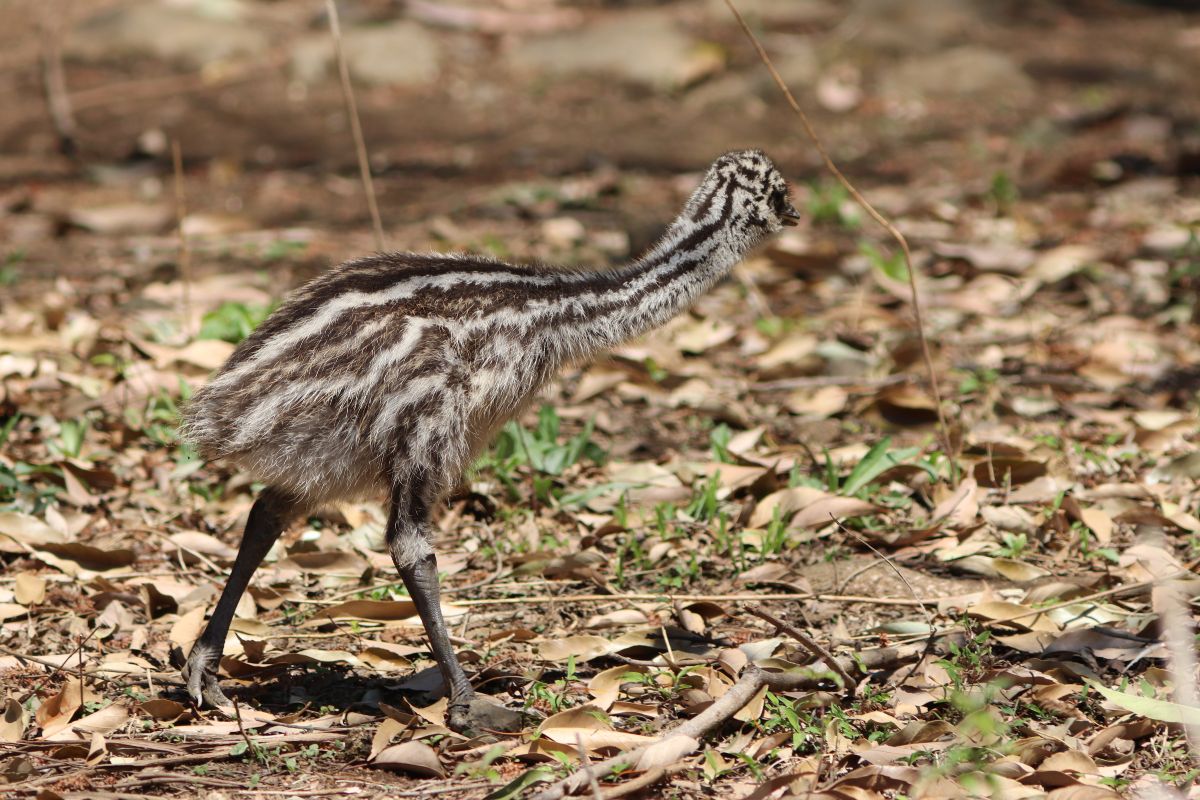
688 598
54 81
1179 635
943 426
805 641
360 144
185 250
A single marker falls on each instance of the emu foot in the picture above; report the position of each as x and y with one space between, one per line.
477 716
200 673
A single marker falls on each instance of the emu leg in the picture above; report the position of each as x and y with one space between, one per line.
468 713
270 514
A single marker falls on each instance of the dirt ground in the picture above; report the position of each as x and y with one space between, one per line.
1043 159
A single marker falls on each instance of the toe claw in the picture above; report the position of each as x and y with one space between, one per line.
200 673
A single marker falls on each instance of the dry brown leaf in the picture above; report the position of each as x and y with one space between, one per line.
29 588
605 686
189 542
415 758
582 647
787 501
187 628
330 563
28 530
960 507
376 611
12 724
588 724
55 713
82 560
826 510
387 730
819 403
102 722
163 710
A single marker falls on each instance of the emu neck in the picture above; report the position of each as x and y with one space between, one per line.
647 292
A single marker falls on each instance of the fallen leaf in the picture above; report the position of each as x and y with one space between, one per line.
415 758
29 588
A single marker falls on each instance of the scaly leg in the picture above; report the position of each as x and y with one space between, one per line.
271 513
468 713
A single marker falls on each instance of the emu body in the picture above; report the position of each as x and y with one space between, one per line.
392 372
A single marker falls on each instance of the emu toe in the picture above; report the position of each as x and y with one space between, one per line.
479 716
200 672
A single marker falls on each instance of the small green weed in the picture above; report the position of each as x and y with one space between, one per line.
828 203
232 322
890 266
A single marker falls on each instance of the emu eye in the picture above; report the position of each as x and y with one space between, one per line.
788 215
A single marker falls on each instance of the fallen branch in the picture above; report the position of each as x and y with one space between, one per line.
684 739
814 649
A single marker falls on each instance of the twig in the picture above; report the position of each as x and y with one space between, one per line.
684 739
933 631
586 767
147 778
185 251
1129 587
360 144
59 667
690 598
54 80
497 573
814 649
861 570
251 750
821 381
943 426
647 778
907 584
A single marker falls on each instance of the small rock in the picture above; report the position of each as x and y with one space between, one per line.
840 89
563 232
168 32
121 218
311 57
640 47
398 53
967 71
918 27
797 63
1166 240
792 12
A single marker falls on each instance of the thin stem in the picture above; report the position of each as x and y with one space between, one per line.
943 427
360 143
185 250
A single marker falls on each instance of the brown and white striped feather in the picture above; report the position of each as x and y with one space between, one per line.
401 367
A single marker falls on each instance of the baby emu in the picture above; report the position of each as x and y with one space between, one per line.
393 372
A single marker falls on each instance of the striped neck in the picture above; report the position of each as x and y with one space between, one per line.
635 298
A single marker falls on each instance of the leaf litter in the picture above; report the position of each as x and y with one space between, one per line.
1002 633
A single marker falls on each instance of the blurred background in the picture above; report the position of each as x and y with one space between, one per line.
1043 159
478 115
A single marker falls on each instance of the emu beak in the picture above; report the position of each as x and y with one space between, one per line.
789 216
